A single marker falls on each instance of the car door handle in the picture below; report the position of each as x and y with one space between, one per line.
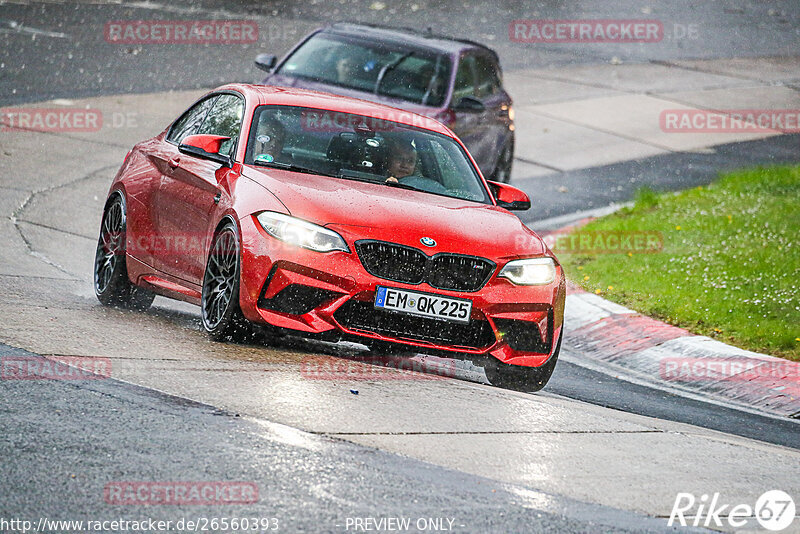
174 162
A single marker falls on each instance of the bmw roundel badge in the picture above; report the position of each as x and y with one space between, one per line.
428 242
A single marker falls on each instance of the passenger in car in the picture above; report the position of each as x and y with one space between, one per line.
402 159
346 69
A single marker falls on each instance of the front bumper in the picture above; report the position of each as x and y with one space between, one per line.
315 293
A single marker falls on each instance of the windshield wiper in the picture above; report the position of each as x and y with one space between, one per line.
405 186
378 181
292 167
388 67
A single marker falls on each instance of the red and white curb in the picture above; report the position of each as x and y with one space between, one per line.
602 330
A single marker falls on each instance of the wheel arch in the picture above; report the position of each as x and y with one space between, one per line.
223 222
119 191
227 218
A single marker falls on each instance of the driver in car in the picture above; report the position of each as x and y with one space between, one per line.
402 160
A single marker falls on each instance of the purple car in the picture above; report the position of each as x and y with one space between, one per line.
457 82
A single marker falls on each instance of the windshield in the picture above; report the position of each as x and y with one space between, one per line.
362 148
413 75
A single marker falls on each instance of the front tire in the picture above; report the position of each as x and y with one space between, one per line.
222 317
111 283
521 378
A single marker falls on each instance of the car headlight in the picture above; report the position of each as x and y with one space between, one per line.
531 272
301 233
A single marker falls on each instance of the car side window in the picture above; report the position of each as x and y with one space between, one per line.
191 120
488 78
225 118
465 79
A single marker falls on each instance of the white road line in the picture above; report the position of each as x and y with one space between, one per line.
12 26
555 223
631 376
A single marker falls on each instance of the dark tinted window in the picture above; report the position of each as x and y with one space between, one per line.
418 76
190 121
225 118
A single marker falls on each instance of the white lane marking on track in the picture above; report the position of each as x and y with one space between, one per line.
585 308
12 26
631 376
556 223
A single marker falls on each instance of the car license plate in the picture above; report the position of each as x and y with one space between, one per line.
424 304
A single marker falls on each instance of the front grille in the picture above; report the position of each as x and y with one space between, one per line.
460 273
456 272
363 316
392 262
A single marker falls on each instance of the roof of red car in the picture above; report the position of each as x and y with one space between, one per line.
290 96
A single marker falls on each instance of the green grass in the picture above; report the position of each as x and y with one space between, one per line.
730 263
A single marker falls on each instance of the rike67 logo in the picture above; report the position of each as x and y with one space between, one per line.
774 510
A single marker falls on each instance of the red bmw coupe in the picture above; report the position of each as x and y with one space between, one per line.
327 215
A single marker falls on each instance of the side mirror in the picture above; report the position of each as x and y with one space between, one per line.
205 146
509 197
266 62
470 104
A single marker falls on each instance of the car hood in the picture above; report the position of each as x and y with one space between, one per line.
360 210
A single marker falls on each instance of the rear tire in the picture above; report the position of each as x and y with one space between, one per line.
221 315
517 377
111 283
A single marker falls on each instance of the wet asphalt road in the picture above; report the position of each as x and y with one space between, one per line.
53 50
92 433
